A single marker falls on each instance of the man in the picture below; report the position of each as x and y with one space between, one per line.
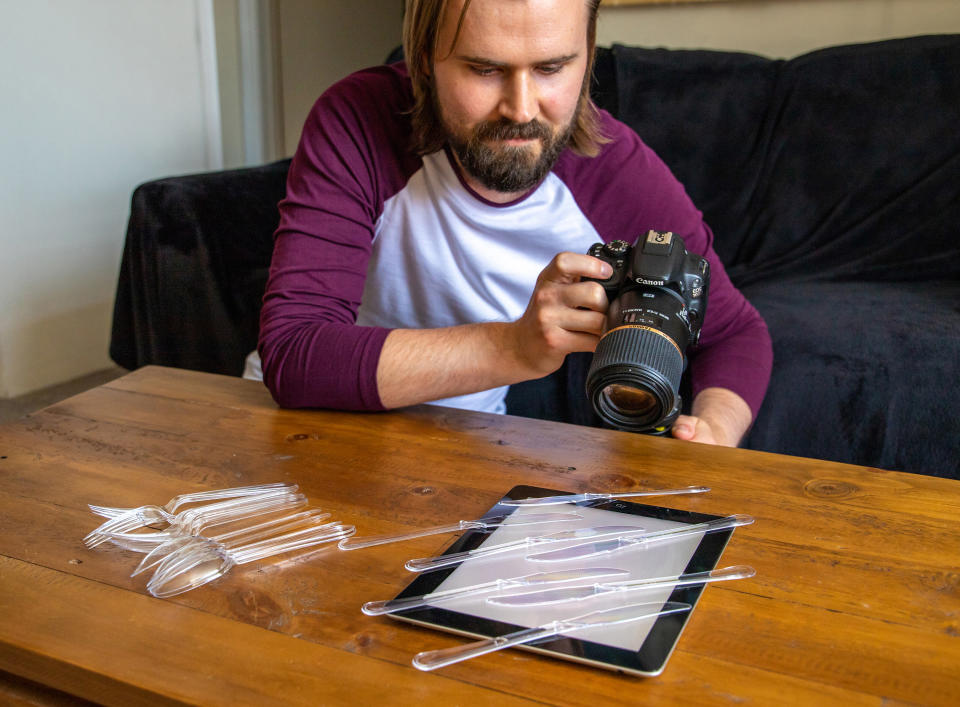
431 243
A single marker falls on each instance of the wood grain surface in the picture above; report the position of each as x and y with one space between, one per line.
856 598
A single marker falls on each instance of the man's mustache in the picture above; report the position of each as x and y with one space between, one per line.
508 130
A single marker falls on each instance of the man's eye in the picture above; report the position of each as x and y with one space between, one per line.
483 70
550 68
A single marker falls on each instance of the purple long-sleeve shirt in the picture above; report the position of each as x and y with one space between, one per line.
373 237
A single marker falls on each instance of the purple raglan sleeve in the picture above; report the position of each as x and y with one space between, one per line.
313 353
734 350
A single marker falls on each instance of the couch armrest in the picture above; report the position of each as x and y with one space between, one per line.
194 267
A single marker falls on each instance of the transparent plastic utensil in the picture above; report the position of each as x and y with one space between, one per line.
377 608
202 565
193 524
425 564
606 547
174 503
234 537
430 660
580 497
570 594
150 515
355 543
140 540
262 542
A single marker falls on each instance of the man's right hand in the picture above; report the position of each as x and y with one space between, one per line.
564 314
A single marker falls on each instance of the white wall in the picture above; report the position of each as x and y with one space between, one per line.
97 97
774 28
230 82
248 71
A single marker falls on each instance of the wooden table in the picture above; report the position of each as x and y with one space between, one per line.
856 598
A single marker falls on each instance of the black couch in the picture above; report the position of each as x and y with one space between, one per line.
831 181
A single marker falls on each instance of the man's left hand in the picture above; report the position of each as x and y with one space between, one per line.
694 429
720 417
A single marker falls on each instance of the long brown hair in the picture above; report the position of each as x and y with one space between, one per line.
421 29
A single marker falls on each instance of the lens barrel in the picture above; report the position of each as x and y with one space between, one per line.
634 379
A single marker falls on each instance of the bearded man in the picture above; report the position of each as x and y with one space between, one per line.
431 242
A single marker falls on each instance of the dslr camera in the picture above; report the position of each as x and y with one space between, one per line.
658 297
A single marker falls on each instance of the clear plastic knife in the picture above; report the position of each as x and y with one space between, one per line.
424 564
481 524
376 608
429 660
565 594
581 497
605 547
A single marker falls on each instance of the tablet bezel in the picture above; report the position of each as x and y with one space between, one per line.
659 644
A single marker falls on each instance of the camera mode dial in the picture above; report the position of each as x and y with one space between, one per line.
615 253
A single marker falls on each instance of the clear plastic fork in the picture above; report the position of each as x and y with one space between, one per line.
174 503
144 516
147 515
198 565
121 526
192 524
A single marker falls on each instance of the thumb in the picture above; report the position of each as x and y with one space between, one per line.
684 427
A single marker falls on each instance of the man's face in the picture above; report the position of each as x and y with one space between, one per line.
507 94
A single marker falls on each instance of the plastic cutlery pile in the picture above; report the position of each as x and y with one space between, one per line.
196 538
184 554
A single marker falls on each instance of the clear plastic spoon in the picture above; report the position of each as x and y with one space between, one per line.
430 660
234 537
377 608
199 566
188 555
355 543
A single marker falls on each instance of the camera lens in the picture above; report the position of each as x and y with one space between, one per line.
634 378
657 297
627 400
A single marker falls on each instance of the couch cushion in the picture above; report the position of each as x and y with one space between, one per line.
863 373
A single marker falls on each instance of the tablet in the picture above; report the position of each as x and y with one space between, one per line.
639 647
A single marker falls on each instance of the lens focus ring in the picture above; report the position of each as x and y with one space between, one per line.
631 345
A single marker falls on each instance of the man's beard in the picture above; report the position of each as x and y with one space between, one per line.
508 168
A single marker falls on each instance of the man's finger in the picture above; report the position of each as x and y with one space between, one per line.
568 267
583 320
692 429
683 428
585 295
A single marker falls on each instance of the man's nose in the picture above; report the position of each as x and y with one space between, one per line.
519 102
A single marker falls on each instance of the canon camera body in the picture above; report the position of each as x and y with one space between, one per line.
658 298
